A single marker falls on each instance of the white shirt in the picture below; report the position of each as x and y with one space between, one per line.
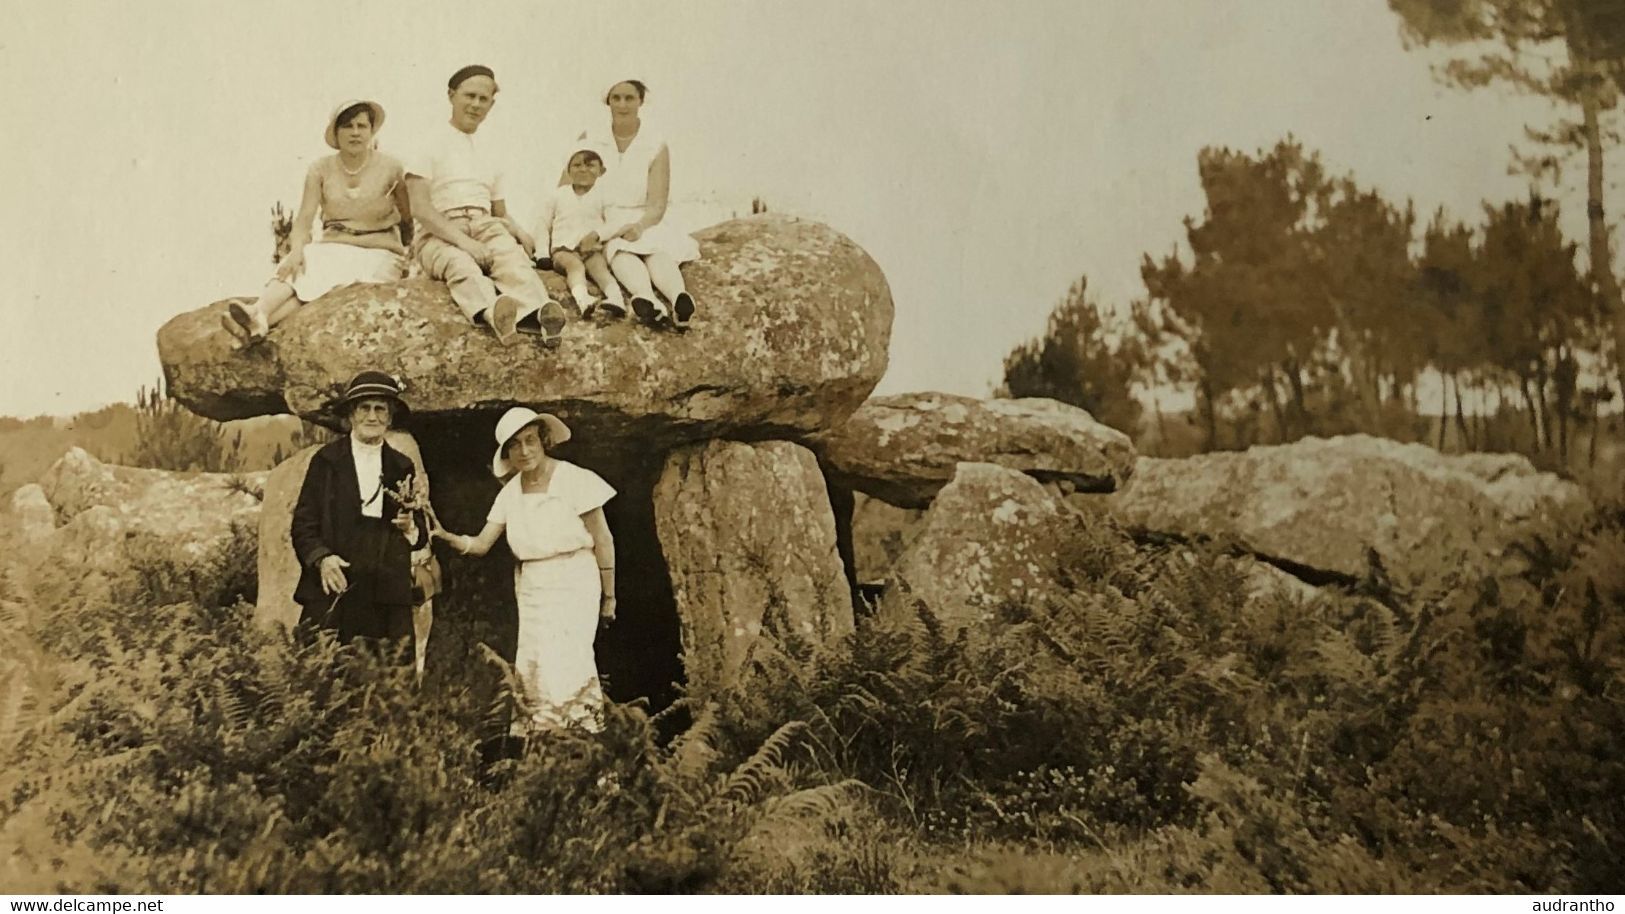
567 217
459 171
369 475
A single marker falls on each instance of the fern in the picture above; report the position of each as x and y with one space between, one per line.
694 752
510 701
754 779
16 705
231 706
824 803
1152 730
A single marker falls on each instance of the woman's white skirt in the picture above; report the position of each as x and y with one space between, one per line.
558 618
656 239
329 265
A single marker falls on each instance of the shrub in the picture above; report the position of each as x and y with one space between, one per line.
177 748
171 437
1240 743
1157 728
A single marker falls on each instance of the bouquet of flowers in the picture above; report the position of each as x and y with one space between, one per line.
412 495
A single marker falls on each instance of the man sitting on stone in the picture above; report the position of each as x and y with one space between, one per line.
352 532
465 235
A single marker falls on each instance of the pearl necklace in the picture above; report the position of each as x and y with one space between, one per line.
359 168
353 191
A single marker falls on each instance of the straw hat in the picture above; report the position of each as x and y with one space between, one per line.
517 420
332 135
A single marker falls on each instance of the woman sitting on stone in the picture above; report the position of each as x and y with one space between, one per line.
644 252
553 514
362 197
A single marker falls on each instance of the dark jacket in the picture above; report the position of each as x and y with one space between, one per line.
327 520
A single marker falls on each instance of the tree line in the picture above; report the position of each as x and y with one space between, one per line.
1305 304
1308 304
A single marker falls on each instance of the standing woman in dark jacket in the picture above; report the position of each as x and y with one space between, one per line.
352 533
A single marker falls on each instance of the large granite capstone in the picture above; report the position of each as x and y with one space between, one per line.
791 336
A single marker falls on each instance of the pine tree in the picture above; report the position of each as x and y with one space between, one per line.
1076 363
1569 51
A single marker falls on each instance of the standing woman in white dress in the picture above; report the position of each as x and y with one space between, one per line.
362 197
644 252
553 514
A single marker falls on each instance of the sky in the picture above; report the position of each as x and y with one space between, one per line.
986 155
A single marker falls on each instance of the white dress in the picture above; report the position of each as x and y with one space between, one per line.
557 588
330 264
625 184
342 256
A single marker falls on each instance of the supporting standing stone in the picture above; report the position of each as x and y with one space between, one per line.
749 538
992 537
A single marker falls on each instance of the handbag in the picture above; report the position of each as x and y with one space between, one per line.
426 579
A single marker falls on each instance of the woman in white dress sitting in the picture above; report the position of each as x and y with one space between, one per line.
644 252
362 198
553 514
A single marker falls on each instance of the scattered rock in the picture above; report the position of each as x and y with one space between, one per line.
78 481
178 535
1319 504
903 449
90 544
192 511
1264 579
29 515
749 539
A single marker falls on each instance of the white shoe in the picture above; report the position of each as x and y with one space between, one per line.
245 322
585 303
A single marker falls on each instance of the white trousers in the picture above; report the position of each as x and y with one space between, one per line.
471 288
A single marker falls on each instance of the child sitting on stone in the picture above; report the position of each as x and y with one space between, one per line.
570 229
